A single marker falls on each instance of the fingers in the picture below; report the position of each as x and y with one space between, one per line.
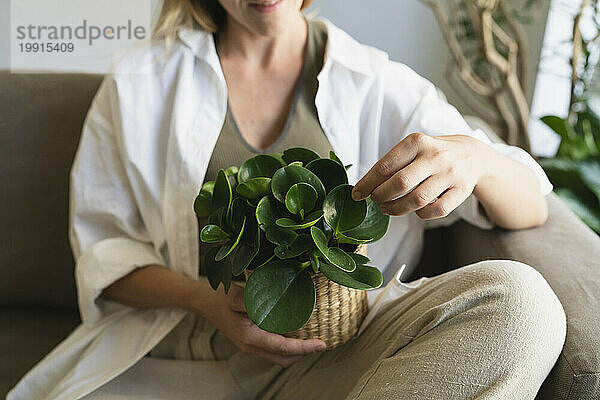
396 159
443 206
284 361
281 345
419 197
277 348
404 180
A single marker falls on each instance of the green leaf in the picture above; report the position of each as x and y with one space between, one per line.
228 247
239 210
280 296
372 228
314 261
359 259
342 238
217 217
333 255
267 211
265 252
335 158
231 171
301 245
299 154
208 187
589 170
588 213
310 220
340 259
301 198
286 177
557 124
222 192
330 172
254 188
213 234
262 165
342 213
320 239
247 249
203 204
214 270
363 278
280 236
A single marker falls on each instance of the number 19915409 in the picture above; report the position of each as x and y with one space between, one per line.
46 47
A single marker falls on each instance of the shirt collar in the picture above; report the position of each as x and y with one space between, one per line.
341 49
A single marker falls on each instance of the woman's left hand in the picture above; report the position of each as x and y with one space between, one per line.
442 172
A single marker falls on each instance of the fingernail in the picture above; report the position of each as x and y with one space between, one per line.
321 348
356 195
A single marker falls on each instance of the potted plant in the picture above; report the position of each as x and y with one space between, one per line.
288 223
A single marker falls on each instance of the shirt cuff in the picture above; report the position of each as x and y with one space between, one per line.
102 264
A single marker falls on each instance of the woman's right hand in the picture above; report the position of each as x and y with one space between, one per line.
228 314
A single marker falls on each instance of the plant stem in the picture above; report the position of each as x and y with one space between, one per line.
304 265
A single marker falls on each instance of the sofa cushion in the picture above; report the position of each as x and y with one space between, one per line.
27 335
41 117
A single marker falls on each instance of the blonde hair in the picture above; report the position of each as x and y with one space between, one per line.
207 15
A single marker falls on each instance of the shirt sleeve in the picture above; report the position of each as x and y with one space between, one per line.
107 235
413 104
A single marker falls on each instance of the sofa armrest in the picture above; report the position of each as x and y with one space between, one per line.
567 254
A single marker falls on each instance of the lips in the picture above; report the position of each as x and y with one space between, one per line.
265 6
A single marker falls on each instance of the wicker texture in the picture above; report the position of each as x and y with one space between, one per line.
338 311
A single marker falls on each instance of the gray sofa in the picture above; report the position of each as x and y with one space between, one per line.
40 121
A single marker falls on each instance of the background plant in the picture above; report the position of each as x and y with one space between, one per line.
286 216
575 171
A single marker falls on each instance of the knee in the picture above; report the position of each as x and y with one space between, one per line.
526 302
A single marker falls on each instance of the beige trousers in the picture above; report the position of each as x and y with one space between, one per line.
491 330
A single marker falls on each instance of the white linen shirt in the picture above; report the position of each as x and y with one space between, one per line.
144 150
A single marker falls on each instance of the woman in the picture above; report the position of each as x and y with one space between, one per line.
231 79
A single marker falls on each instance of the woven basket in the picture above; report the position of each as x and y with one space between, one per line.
338 312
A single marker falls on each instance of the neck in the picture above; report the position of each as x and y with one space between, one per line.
237 41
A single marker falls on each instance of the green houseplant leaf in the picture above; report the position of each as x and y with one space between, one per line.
301 245
341 212
286 177
307 222
247 249
260 166
254 188
301 198
330 172
333 255
222 194
371 229
280 236
280 296
299 154
363 278
230 245
213 234
203 205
